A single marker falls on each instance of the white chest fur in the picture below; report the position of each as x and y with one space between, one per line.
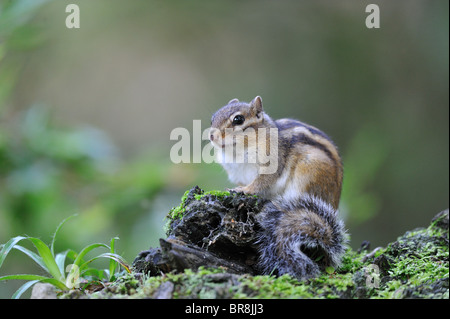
241 173
239 170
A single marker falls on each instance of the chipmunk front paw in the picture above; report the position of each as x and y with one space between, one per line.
241 189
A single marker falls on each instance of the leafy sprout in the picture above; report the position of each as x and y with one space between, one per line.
55 264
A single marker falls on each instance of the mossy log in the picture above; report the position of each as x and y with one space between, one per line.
210 252
215 229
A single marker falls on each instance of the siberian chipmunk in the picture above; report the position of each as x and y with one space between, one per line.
297 168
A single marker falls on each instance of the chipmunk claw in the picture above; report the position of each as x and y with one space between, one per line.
236 190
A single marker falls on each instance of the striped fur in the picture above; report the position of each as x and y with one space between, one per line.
301 233
299 237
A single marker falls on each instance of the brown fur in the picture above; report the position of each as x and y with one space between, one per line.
306 222
315 168
300 230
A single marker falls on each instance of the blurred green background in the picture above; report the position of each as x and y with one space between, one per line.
85 114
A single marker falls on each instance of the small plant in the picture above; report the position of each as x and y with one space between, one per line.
55 265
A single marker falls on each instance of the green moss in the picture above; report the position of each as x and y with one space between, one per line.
178 211
218 194
407 276
416 265
269 287
351 261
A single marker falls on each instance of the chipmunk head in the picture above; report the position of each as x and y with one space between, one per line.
235 118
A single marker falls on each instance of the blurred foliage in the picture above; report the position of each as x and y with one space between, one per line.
16 35
48 173
365 155
56 265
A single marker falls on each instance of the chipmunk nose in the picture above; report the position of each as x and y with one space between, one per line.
214 135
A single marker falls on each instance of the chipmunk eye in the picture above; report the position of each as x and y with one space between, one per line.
238 120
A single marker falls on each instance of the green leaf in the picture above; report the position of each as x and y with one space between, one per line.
48 258
114 257
23 288
38 259
112 262
73 278
8 246
60 260
330 270
93 272
52 281
79 259
79 264
56 232
72 254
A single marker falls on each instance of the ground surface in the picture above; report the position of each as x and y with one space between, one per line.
211 227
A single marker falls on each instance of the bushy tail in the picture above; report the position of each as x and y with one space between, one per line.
300 238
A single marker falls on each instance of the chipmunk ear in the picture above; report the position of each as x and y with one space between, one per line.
233 101
257 105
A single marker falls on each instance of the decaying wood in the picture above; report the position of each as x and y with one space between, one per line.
214 232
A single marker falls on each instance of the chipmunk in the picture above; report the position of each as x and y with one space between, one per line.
301 234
